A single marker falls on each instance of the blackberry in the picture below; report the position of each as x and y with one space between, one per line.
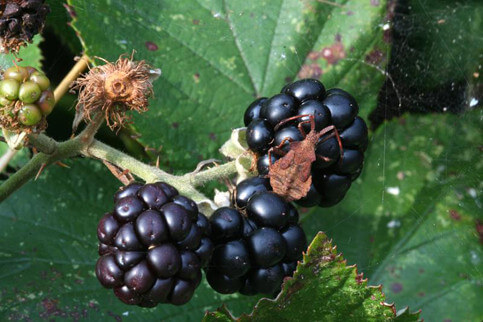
339 157
152 245
25 99
254 249
20 21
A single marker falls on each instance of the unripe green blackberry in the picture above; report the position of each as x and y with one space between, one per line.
18 73
29 92
9 88
25 99
29 114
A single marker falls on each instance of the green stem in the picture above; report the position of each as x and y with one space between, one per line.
218 172
56 152
31 169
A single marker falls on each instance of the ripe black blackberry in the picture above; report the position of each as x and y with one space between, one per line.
152 245
335 168
20 21
256 245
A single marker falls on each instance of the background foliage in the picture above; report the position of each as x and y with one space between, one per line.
412 221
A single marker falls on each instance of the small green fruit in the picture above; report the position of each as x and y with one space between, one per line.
4 101
41 80
18 73
46 102
9 88
29 115
29 92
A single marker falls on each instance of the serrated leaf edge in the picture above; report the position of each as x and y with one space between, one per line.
228 316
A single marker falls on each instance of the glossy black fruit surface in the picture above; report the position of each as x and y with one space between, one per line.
253 110
259 135
256 245
153 245
278 108
305 89
343 109
247 188
286 118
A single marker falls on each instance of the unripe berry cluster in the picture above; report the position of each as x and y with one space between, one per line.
339 158
25 99
153 245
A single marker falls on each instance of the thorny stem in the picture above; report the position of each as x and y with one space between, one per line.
60 150
51 151
95 149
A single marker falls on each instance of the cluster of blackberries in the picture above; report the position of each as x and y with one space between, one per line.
155 242
25 98
153 245
257 244
339 157
20 21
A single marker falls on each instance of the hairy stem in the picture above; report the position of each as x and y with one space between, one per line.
38 162
218 172
59 151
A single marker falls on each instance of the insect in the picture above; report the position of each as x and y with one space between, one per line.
290 176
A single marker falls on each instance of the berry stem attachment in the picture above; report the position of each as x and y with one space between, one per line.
217 172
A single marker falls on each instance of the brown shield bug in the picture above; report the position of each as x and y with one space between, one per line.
290 176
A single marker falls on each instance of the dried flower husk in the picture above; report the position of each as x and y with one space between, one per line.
114 89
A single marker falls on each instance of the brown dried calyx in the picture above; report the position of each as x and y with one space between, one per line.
114 89
20 21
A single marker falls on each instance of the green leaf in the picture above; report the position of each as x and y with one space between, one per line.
20 158
217 56
49 253
58 21
440 43
413 220
31 56
323 288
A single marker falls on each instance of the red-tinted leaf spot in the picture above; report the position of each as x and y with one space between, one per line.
310 71
151 46
454 214
396 287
